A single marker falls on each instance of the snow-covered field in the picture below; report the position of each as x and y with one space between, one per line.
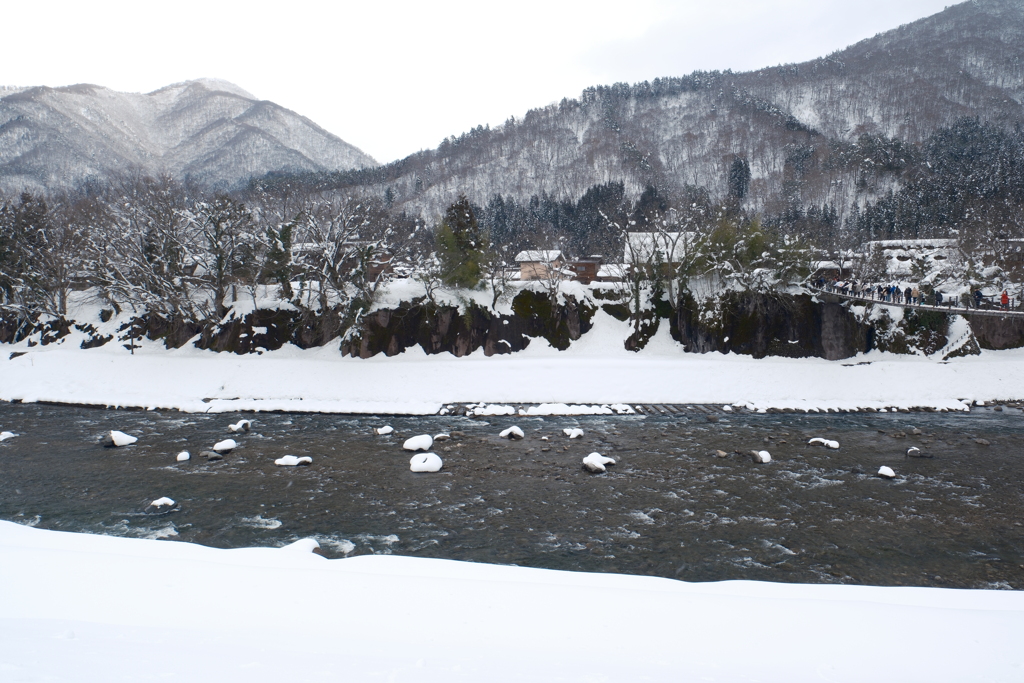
88 608
595 370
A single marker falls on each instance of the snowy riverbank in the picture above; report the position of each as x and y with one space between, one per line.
594 370
95 608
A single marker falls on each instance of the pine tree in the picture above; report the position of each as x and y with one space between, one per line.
461 246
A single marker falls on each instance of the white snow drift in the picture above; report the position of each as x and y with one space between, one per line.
92 609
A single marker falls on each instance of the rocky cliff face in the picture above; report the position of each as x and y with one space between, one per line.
743 323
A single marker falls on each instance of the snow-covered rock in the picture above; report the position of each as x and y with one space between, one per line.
240 426
442 437
595 462
425 462
183 456
914 452
573 432
827 443
161 502
423 442
7 435
293 461
225 446
761 457
383 431
512 432
211 455
121 439
886 472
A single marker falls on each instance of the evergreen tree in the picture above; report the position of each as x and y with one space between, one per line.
461 246
739 178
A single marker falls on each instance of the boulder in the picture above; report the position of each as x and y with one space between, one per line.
383 431
225 446
425 462
761 457
596 463
183 456
886 472
121 439
292 461
423 442
512 432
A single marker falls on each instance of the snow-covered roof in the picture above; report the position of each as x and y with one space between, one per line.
642 247
538 256
911 244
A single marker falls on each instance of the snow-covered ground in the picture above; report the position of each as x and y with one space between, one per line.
88 608
595 370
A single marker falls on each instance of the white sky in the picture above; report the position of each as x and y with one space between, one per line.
396 77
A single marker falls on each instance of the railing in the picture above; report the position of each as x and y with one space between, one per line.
987 308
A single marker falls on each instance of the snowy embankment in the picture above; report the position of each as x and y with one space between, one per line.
96 608
595 370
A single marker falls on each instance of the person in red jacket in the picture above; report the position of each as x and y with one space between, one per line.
1005 300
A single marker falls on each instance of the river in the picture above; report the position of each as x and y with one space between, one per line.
669 506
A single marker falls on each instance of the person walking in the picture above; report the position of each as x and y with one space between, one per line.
977 298
1005 300
915 296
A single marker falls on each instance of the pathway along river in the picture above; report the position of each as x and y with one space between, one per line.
668 508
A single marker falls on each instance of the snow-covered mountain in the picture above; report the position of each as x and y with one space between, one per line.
798 125
209 130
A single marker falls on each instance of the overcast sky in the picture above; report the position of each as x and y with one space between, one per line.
396 77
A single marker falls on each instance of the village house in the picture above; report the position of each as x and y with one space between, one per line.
586 269
541 264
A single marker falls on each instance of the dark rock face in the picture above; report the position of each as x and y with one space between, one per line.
437 329
998 333
759 325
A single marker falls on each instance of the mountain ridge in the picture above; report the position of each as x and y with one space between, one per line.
206 130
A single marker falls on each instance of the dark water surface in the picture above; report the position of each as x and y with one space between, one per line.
668 508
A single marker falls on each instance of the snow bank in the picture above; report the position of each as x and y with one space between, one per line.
84 611
594 376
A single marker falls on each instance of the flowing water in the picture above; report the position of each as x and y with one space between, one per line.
669 506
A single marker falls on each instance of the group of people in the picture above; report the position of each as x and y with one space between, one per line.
911 295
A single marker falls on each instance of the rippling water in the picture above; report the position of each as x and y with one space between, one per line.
669 507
